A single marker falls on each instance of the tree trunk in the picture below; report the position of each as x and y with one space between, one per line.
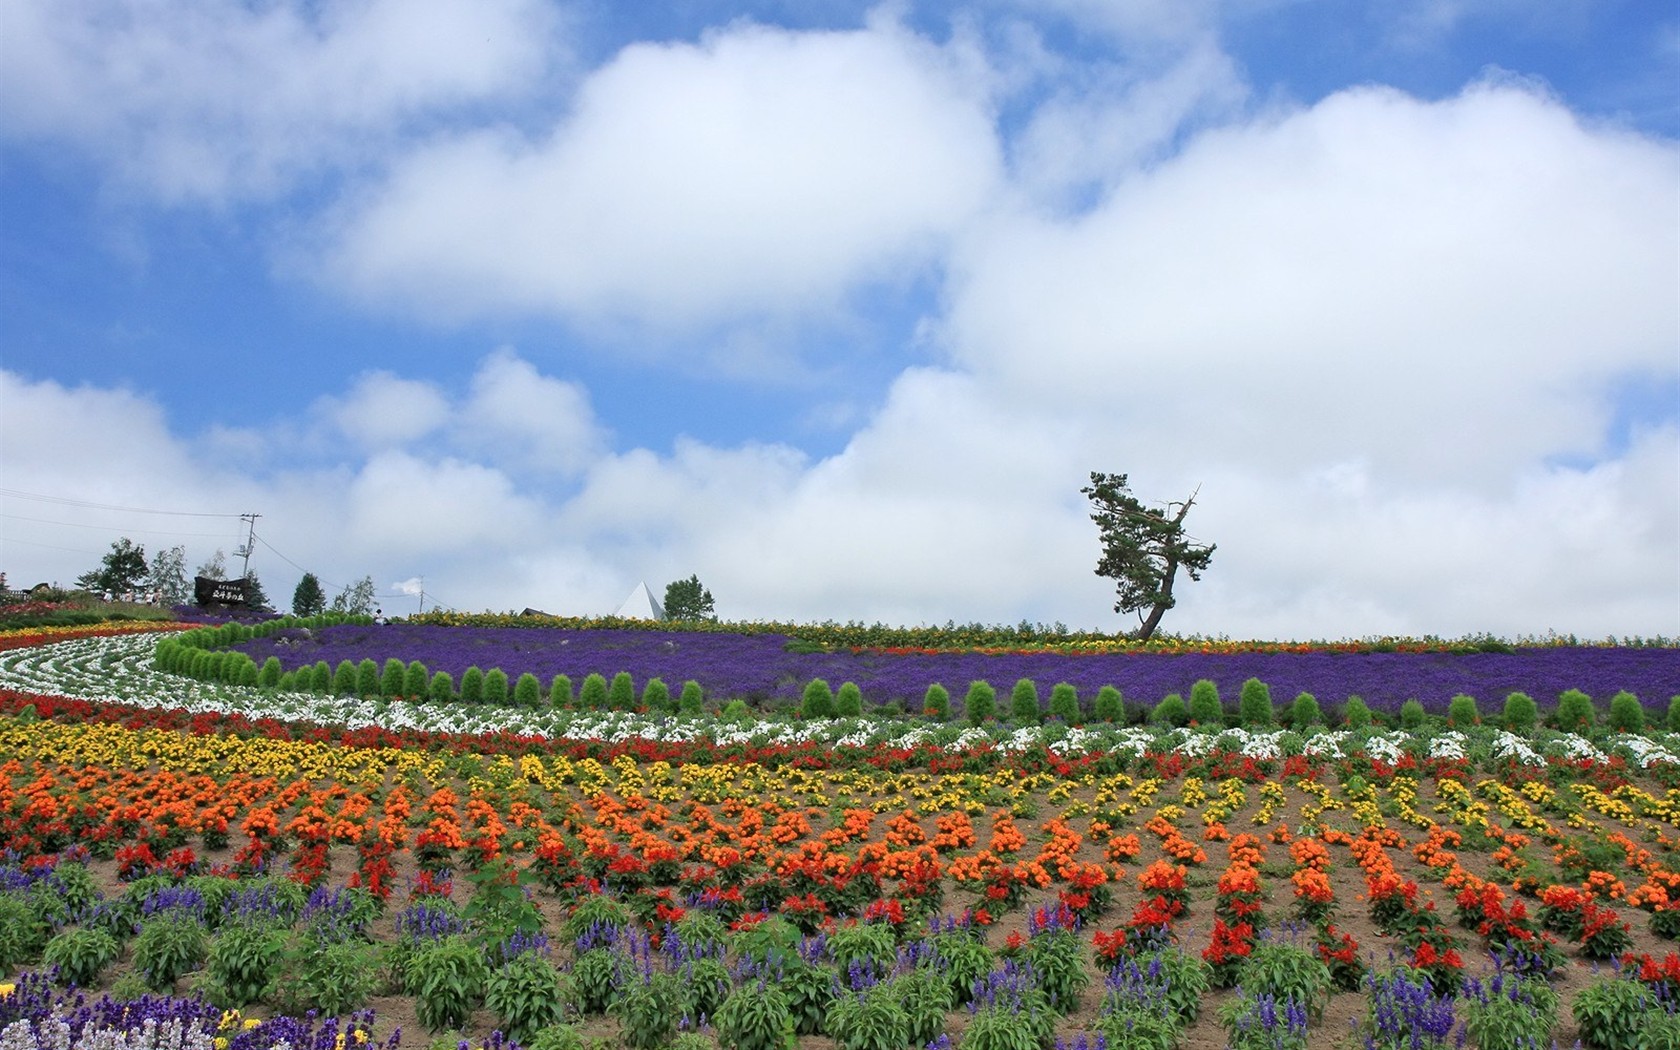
1160 608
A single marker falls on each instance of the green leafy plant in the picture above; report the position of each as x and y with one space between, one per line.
1263 1022
1057 958
595 980
925 996
22 933
416 678
703 985
243 960
980 704
496 686
647 1007
560 692
868 1020
1206 710
168 947
1412 715
755 1018
391 678
1009 1026
556 1037
1510 1013
367 677
1286 971
1612 1011
81 955
448 978
442 689
810 991
331 977
848 701
656 696
869 944
693 698
936 703
524 994
965 959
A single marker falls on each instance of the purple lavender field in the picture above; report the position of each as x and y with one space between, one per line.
758 666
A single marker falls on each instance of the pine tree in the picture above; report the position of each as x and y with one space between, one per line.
308 599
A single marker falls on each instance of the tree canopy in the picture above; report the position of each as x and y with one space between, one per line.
168 576
356 599
1143 548
122 569
688 600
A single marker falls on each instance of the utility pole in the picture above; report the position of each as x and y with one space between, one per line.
422 594
250 541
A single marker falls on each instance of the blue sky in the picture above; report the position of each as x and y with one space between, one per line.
837 305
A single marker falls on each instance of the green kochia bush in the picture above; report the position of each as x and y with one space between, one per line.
1109 706
1673 720
1305 712
693 698
1575 712
472 685
1627 714
1064 703
1412 715
1521 713
936 703
981 702
1205 708
560 692
1356 714
1462 713
495 686
1254 705
818 700
527 691
344 679
621 694
442 689
656 696
1023 703
367 678
392 678
416 677
848 700
593 695
1171 711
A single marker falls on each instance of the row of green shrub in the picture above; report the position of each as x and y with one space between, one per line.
1255 709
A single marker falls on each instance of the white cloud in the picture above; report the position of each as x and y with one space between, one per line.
529 419
758 171
209 101
1432 287
385 411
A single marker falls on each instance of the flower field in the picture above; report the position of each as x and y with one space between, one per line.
200 862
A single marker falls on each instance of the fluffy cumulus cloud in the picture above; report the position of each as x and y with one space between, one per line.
209 101
1434 288
756 171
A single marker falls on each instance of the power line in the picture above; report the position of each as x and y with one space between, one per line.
107 528
66 501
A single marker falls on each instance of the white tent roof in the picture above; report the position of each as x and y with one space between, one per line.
641 605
